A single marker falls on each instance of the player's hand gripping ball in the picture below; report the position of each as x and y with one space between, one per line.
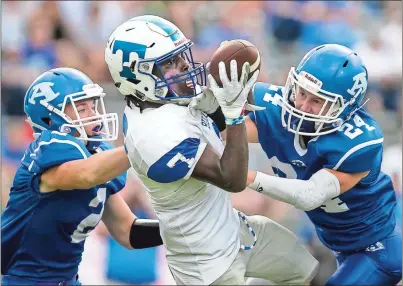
240 50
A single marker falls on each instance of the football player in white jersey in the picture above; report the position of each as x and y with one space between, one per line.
178 153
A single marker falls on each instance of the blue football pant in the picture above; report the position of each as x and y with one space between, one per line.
378 264
16 280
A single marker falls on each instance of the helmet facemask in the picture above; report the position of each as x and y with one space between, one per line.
106 124
164 88
302 123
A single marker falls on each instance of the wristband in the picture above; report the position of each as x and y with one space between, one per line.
235 121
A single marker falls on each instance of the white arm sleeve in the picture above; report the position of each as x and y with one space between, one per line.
304 195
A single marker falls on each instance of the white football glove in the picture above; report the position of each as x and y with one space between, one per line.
233 96
205 102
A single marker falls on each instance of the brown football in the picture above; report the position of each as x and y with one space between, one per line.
240 50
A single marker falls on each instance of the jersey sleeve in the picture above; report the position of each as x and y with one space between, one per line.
265 95
53 149
167 152
267 121
356 147
360 158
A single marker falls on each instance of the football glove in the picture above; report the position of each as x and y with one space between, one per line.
205 102
233 96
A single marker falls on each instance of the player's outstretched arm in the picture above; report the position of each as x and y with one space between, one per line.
226 172
304 194
85 173
126 229
229 171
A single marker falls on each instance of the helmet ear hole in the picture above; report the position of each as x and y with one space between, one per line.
133 80
46 120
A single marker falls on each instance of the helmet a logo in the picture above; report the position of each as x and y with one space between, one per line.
43 89
360 84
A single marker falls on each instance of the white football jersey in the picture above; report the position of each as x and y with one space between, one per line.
198 225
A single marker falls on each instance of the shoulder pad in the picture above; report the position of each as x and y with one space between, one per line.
51 149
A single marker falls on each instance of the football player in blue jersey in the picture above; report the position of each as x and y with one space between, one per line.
326 151
68 180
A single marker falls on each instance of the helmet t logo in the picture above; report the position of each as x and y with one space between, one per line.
127 48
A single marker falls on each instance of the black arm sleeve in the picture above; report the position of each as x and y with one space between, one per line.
145 233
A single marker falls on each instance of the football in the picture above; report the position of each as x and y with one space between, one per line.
240 50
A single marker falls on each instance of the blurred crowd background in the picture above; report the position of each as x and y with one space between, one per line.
40 35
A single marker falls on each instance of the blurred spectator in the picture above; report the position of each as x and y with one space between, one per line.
69 55
285 24
16 135
51 11
39 48
74 15
224 27
179 14
392 166
12 31
328 22
384 64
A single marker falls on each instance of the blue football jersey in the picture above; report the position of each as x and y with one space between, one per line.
43 234
360 216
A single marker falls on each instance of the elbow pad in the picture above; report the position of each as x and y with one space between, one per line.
322 186
304 195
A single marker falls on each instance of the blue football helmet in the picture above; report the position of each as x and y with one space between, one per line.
334 73
46 99
135 52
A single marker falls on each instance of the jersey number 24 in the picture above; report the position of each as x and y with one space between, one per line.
352 132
